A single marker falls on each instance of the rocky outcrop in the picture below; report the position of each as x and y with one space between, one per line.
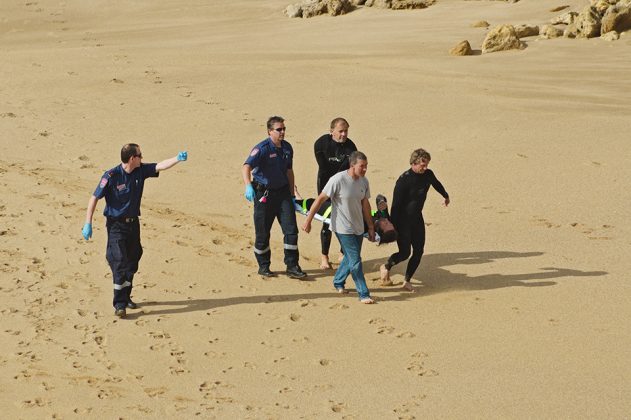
462 48
501 38
524 31
564 19
616 18
588 23
311 8
610 36
550 31
595 20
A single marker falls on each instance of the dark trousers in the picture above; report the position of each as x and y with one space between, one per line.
278 205
123 254
410 234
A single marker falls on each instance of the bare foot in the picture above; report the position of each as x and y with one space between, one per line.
325 263
367 301
408 286
385 276
341 290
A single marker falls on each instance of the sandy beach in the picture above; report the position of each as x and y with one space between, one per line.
523 301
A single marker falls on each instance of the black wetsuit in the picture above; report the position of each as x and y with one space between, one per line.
332 157
410 192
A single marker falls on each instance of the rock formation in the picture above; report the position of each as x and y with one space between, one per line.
501 38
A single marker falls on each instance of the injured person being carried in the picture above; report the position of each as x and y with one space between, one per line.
384 229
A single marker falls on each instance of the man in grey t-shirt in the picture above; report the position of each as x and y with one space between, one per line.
349 192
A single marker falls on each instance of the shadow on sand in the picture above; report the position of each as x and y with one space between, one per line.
436 279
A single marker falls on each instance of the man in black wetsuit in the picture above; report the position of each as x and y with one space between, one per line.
331 152
410 192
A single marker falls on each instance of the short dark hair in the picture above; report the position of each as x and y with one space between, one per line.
338 120
273 120
355 156
129 151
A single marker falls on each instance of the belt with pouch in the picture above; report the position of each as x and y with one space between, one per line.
122 219
263 188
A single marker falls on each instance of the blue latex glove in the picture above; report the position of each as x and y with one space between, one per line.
182 156
249 192
87 231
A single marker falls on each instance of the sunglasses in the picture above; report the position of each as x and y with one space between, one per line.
280 129
138 156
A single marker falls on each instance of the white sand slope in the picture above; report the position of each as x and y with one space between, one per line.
522 304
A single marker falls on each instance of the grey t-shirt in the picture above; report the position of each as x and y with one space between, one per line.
346 201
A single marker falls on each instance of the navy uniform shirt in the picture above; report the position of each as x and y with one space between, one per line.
123 191
270 163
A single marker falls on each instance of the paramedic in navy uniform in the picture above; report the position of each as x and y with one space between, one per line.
269 183
122 188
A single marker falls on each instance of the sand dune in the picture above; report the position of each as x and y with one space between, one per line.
523 301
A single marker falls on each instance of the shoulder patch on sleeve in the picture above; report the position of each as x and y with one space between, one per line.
254 152
103 182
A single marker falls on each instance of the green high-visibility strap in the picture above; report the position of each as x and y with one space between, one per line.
327 212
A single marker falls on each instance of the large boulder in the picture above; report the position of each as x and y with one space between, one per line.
601 6
610 36
294 11
524 31
339 7
550 31
588 23
462 48
617 18
501 38
566 18
311 8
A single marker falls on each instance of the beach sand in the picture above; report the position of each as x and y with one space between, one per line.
522 306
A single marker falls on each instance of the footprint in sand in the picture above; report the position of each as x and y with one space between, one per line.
154 392
337 407
35 402
213 391
417 365
411 406
158 335
385 329
215 354
339 306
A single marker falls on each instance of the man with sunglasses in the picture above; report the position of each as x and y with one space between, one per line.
269 183
122 188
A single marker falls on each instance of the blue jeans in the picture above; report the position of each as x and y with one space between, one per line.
351 264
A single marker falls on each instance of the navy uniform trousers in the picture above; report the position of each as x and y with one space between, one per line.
123 254
278 205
